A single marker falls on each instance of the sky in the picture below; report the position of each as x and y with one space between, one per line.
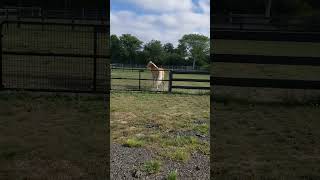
164 20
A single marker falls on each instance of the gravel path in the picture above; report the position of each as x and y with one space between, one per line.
125 163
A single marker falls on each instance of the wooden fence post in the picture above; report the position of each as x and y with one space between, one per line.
140 79
170 81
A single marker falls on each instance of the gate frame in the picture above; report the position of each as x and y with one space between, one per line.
95 56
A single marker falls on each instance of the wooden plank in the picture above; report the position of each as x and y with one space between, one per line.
190 87
267 83
262 59
191 80
192 72
136 79
265 35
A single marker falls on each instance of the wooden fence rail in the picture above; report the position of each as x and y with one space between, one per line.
262 59
170 79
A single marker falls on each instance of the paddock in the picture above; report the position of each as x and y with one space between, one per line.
266 97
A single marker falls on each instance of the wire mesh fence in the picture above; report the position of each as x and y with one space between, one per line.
54 56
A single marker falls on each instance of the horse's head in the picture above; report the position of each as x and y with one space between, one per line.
150 65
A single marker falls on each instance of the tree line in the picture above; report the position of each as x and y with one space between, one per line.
192 50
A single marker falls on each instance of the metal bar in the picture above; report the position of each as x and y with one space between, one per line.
55 54
55 90
266 83
1 73
95 60
53 23
262 59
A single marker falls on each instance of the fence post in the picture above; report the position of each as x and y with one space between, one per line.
170 81
1 80
72 21
19 18
140 79
95 59
42 19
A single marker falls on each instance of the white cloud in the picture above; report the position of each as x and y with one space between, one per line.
166 26
205 6
162 5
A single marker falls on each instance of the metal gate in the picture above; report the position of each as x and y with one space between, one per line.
57 57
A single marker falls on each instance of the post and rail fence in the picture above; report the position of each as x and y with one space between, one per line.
217 57
142 76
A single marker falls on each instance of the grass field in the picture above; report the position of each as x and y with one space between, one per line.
52 136
265 133
157 119
172 126
256 140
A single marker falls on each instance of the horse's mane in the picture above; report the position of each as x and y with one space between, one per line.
154 65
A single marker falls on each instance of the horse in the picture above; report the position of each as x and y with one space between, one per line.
157 74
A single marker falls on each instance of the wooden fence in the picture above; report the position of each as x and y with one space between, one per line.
172 79
261 59
260 22
136 75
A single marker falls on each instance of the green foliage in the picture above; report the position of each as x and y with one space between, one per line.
193 49
152 166
172 175
154 51
130 45
197 48
133 142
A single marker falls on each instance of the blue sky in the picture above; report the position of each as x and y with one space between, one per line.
165 20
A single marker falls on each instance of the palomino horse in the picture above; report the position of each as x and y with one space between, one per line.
157 74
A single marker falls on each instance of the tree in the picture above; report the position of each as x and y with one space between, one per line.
154 51
130 45
115 48
173 59
168 48
197 48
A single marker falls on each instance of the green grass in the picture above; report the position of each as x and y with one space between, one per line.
44 134
156 119
173 175
152 166
179 154
203 129
134 142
